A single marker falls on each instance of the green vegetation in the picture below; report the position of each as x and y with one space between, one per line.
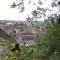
47 45
2 40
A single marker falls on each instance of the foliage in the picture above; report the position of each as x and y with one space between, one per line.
2 40
47 45
34 13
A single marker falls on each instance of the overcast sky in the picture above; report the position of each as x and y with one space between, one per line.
7 13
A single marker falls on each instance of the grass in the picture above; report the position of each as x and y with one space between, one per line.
2 40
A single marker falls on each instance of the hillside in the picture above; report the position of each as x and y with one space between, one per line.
4 35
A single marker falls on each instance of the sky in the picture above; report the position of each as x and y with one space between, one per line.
7 13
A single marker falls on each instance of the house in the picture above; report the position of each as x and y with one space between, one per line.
26 38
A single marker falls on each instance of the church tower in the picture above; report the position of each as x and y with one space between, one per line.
29 23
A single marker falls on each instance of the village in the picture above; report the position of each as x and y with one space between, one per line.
24 33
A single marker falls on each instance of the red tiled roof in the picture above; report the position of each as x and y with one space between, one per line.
28 37
27 33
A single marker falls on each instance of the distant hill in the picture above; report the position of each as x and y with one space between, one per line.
19 22
7 21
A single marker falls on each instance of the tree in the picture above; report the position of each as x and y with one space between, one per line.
21 3
50 38
40 12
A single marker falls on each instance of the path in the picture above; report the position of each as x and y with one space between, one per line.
2 46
